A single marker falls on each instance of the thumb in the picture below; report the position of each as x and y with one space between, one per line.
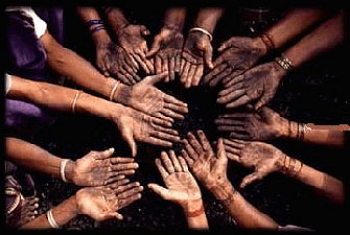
221 153
127 135
208 54
144 31
225 45
111 215
161 191
155 46
249 179
151 80
265 113
105 154
260 103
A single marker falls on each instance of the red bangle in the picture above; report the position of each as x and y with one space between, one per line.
195 213
267 41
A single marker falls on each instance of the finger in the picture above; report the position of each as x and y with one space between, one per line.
144 31
198 75
221 76
113 179
234 81
239 102
118 183
233 116
187 157
150 65
231 128
221 153
204 141
141 63
171 99
233 151
250 179
172 68
234 74
132 73
167 163
192 71
125 187
208 54
194 143
261 102
190 150
175 161
104 154
160 122
158 64
155 46
127 135
147 62
117 160
124 166
123 78
151 80
170 113
109 215
159 142
235 87
163 117
126 172
128 76
234 143
127 201
225 45
183 164
128 193
184 75
161 169
177 62
161 191
232 156
230 97
176 107
165 136
130 62
213 73
167 130
165 68
182 67
241 136
228 122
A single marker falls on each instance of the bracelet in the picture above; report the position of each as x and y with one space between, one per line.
203 31
51 220
113 90
75 100
230 197
62 170
266 38
195 213
284 62
96 29
94 22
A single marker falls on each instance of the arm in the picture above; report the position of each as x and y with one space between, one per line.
207 18
210 169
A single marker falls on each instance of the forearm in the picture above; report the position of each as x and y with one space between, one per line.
116 18
294 23
62 214
324 38
90 13
175 18
70 64
245 214
328 186
208 17
195 215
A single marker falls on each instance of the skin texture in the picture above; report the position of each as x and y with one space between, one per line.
181 188
146 98
257 85
263 125
102 203
238 54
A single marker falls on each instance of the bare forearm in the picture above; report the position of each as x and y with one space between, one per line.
324 38
175 17
294 23
62 214
195 215
245 214
208 17
116 18
70 64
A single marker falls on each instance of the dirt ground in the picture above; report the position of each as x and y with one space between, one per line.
316 93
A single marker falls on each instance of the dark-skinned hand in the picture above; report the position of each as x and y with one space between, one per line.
196 53
166 50
145 97
102 203
238 54
257 85
132 38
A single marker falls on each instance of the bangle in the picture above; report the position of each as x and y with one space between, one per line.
113 90
203 31
195 213
266 38
62 170
96 29
75 100
94 22
284 62
51 220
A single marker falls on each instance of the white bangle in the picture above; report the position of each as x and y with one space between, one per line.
113 90
203 31
51 220
62 169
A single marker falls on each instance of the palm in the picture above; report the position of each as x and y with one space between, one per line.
90 171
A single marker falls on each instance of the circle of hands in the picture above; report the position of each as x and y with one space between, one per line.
151 114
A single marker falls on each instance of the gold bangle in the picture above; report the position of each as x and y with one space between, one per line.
75 100
113 90
284 62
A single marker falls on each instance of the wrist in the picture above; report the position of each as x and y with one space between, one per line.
172 27
122 94
222 191
74 205
69 171
278 70
288 166
267 42
259 45
288 128
201 32
193 208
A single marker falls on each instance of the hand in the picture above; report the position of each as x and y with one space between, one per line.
134 125
209 168
181 187
258 84
166 48
263 125
98 168
113 60
196 52
103 202
238 54
132 39
145 97
263 158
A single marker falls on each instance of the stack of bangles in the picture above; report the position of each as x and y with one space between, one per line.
95 25
51 220
290 166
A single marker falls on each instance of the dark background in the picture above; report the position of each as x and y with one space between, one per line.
315 93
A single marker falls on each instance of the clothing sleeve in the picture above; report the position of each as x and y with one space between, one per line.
293 228
40 26
8 83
